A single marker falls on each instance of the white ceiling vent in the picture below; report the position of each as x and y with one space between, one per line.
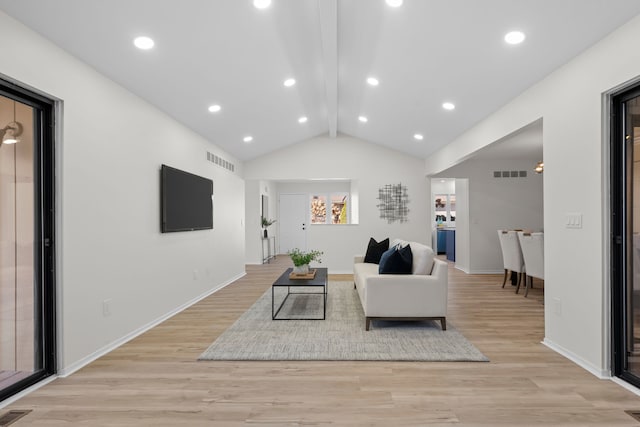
217 160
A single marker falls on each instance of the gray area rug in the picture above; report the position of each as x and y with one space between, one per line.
254 336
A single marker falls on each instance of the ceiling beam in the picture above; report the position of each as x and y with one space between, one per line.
328 12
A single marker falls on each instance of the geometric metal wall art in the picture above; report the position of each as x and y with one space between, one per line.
394 203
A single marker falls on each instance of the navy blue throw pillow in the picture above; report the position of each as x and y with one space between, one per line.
396 261
375 250
384 259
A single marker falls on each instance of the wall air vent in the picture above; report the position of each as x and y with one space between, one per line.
509 174
217 160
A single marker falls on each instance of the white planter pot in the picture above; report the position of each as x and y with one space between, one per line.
301 269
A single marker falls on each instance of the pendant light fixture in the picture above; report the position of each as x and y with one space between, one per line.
539 167
12 131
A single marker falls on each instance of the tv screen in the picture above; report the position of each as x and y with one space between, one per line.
186 199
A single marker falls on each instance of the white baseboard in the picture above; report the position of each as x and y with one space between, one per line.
463 269
68 370
602 374
487 272
470 271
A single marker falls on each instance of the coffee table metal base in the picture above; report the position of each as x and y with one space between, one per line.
320 281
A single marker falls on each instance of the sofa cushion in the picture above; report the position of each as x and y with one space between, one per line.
375 250
396 261
422 258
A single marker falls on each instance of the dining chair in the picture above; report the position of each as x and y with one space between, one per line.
511 255
532 245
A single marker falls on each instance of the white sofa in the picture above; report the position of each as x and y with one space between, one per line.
418 296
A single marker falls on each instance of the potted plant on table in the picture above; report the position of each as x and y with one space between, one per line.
266 223
302 259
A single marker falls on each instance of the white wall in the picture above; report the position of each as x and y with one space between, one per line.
253 233
109 154
446 187
575 181
371 167
463 245
497 203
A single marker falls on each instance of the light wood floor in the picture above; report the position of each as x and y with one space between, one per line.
155 379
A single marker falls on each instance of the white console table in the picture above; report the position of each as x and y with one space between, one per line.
270 252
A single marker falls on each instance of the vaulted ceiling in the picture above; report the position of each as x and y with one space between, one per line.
232 54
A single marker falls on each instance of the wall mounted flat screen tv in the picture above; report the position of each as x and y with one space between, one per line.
187 201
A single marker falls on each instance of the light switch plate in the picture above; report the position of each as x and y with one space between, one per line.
573 220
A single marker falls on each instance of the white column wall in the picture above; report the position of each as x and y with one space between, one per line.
570 101
253 227
109 150
463 245
371 167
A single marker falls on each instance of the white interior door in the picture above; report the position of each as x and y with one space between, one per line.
293 219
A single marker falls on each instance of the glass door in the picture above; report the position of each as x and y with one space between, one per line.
26 241
625 225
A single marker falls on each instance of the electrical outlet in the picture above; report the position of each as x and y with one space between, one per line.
557 306
195 274
106 307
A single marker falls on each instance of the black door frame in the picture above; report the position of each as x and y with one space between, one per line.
621 156
44 234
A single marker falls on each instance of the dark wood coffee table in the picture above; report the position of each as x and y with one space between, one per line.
319 281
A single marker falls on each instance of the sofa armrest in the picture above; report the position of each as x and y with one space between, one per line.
358 259
440 270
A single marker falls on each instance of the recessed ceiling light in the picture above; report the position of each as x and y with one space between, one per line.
289 82
261 4
247 139
214 108
448 106
143 42
373 81
394 3
302 120
418 136
514 37
363 119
